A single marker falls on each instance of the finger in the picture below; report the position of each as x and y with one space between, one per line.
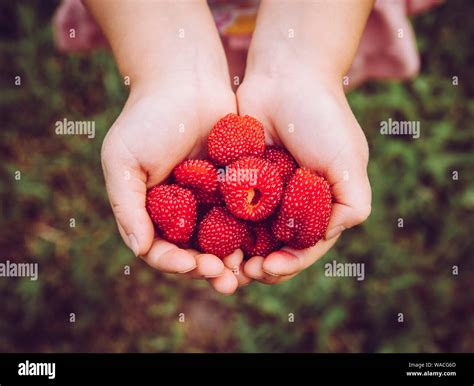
167 257
192 274
234 260
208 266
283 279
242 278
126 188
226 284
254 269
289 261
352 199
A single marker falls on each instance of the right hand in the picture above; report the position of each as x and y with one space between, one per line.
163 122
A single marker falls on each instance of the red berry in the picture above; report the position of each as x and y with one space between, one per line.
305 210
173 210
252 188
234 137
200 176
283 161
219 233
260 240
209 198
196 173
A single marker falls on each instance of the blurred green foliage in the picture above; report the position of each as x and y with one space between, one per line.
408 270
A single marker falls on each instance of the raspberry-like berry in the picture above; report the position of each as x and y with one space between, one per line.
220 233
260 240
234 137
305 210
283 161
173 210
252 188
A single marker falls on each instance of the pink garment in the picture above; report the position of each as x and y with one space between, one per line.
387 49
74 28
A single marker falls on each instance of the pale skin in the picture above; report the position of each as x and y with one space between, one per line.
299 54
180 87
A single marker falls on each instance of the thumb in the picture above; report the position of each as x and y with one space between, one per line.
352 196
126 188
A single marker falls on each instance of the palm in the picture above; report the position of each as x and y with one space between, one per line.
155 131
317 126
162 129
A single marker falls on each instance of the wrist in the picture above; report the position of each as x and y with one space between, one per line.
180 80
188 62
308 36
152 38
281 58
278 65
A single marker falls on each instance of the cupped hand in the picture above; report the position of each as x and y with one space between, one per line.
164 122
308 114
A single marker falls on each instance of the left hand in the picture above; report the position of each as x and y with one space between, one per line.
309 115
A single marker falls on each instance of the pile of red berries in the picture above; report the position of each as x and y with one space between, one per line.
247 195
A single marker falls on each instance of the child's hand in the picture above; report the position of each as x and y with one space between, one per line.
160 125
180 88
299 53
312 119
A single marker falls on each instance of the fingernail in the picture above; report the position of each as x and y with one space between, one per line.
271 274
188 270
212 276
330 234
133 244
